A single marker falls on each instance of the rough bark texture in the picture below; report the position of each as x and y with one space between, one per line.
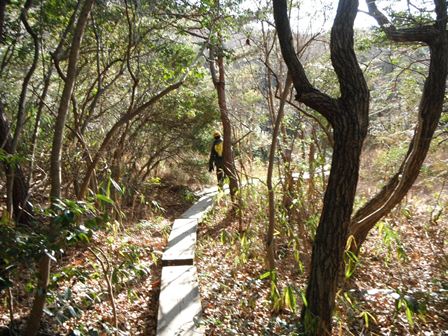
348 116
429 112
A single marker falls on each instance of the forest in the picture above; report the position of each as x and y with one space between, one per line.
331 218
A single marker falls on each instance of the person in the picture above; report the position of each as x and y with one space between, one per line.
217 158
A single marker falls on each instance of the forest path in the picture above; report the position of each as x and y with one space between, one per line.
180 307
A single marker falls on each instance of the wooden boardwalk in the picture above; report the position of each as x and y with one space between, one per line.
179 303
180 306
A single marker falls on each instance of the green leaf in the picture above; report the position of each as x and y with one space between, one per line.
83 237
265 275
304 300
104 198
409 316
290 298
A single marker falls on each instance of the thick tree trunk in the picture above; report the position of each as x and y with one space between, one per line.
331 235
349 117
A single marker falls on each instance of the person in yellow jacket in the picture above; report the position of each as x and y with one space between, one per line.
216 158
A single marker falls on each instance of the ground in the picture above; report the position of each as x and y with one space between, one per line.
80 304
399 286
238 302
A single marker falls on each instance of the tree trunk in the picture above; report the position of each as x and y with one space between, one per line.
431 105
229 162
331 235
21 108
270 246
55 164
40 297
220 85
22 209
58 137
36 129
348 116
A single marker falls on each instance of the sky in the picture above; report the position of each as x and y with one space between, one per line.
311 17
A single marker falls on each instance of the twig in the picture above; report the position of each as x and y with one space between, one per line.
105 266
11 312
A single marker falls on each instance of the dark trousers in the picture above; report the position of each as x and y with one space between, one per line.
220 174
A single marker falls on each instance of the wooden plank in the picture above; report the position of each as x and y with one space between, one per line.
199 209
179 303
181 243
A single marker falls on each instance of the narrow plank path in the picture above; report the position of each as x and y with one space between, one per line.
180 306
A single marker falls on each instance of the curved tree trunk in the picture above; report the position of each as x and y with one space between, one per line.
21 113
348 116
430 109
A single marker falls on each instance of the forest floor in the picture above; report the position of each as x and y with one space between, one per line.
80 304
399 286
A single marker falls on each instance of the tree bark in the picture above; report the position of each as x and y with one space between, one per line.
21 108
219 82
58 137
270 247
348 116
55 164
22 209
40 297
430 109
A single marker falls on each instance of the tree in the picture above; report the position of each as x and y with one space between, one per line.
430 108
348 115
55 166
